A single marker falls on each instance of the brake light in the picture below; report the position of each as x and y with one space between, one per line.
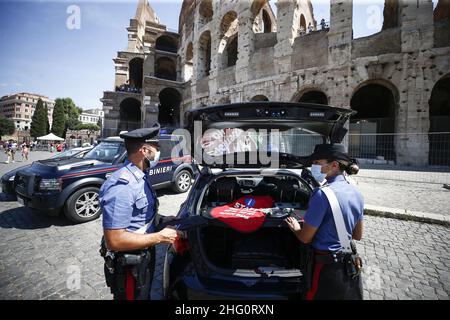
181 245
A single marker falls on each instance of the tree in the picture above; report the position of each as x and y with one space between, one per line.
38 121
59 118
66 114
47 131
89 127
6 126
99 124
72 114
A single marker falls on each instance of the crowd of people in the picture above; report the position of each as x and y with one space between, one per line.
11 147
127 88
323 26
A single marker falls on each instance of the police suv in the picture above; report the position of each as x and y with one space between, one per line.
72 185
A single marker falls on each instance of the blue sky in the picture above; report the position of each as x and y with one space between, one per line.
40 54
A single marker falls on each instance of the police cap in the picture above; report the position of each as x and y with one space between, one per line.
150 135
330 151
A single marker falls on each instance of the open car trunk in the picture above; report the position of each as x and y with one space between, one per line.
270 248
265 250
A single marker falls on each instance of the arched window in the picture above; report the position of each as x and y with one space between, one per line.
165 68
189 61
376 106
439 136
130 115
136 73
204 55
314 96
206 11
169 107
166 43
259 98
228 47
267 22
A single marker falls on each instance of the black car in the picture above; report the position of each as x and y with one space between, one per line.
7 180
226 252
72 185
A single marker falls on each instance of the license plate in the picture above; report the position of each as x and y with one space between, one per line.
21 201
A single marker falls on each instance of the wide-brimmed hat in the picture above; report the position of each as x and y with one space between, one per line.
330 152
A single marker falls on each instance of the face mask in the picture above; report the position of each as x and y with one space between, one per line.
155 161
316 172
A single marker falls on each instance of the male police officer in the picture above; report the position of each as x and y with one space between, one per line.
336 275
129 205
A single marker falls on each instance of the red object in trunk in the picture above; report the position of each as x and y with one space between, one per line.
244 214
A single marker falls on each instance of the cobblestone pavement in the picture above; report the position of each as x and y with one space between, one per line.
41 256
424 197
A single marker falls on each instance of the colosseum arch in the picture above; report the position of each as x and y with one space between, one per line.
302 23
224 100
188 62
206 11
130 115
264 20
136 72
311 95
165 68
376 102
439 136
228 47
166 43
259 97
204 55
169 107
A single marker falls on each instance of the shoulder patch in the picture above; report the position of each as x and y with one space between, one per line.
125 177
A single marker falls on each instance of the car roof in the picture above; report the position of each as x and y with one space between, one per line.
161 137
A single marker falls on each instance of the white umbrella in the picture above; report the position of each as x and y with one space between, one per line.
51 137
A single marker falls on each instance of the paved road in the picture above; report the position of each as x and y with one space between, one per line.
41 257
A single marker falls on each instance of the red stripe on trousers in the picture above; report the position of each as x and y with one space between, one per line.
129 289
315 285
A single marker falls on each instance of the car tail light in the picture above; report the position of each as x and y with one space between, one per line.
181 245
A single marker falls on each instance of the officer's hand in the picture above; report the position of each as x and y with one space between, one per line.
168 235
293 224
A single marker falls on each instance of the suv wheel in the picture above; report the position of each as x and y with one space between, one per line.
182 181
83 205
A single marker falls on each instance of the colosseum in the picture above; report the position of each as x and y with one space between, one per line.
240 50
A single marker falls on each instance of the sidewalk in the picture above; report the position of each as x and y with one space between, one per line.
418 201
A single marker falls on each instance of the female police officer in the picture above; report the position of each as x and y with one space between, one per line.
331 279
129 205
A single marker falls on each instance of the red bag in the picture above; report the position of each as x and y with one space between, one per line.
244 214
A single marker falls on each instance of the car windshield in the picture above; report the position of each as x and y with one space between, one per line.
296 141
67 153
106 152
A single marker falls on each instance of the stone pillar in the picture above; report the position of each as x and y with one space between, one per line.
246 41
341 34
285 36
416 23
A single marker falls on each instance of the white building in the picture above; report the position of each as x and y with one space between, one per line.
91 116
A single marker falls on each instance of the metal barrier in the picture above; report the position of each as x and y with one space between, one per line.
377 154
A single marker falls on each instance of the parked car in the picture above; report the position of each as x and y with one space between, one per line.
71 185
224 251
7 180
